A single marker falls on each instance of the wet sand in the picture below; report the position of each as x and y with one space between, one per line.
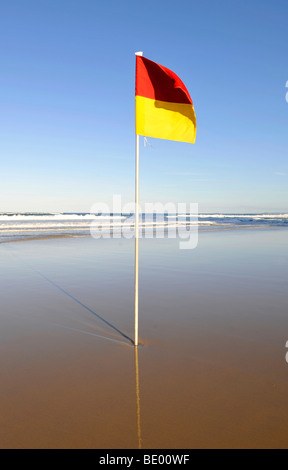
211 369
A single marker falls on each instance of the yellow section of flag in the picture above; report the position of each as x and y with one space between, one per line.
164 120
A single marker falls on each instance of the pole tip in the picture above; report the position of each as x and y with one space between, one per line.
139 53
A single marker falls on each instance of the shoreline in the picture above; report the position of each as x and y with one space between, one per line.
104 235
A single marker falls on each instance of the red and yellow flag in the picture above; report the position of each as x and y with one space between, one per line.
163 108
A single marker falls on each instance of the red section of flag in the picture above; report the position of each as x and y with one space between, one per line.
159 83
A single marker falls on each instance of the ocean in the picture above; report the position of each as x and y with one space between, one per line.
16 226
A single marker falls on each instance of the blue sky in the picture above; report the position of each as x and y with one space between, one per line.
67 103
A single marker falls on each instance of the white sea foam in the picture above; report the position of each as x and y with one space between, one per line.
41 217
244 216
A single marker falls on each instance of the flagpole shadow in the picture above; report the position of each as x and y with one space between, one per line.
84 306
71 296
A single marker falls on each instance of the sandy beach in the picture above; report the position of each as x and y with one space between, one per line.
211 369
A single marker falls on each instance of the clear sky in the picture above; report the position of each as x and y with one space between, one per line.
67 87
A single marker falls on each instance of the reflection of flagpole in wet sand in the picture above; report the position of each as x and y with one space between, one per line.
137 398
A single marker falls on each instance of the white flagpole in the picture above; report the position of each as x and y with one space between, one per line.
136 237
136 232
